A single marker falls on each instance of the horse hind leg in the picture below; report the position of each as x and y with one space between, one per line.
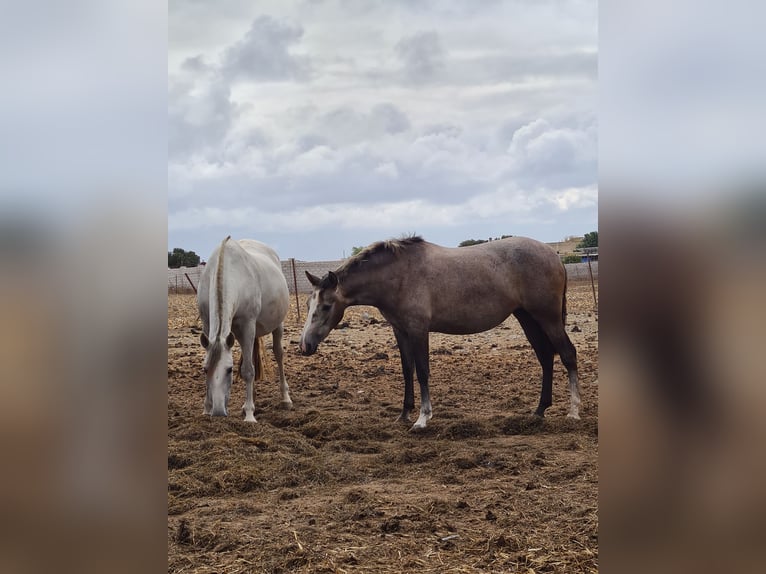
284 390
544 351
566 350
574 383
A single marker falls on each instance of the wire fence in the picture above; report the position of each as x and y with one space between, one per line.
186 279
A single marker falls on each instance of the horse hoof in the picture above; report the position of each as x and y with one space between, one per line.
250 419
573 416
417 427
286 406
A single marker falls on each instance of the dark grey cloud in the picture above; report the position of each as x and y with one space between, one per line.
199 116
422 56
195 65
346 124
201 112
389 118
517 66
263 54
449 130
309 141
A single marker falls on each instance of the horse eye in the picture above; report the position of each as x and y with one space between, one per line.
229 370
326 307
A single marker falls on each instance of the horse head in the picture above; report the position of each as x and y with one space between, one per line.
325 310
218 367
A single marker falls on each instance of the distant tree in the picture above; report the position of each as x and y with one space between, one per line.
355 250
468 242
590 240
182 258
571 259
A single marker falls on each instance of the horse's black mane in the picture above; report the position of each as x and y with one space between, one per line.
390 246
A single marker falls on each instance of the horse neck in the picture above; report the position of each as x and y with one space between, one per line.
371 285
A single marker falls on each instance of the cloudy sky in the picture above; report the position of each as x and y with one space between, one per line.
318 125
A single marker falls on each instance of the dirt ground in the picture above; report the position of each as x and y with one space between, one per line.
335 485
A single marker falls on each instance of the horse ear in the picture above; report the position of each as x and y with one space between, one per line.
204 340
333 279
313 279
230 340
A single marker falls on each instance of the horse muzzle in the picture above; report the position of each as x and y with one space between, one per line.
307 348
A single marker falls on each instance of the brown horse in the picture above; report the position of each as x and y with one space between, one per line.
420 287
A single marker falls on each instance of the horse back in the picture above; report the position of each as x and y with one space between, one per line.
472 289
272 292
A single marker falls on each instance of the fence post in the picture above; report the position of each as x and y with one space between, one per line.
190 282
593 286
295 287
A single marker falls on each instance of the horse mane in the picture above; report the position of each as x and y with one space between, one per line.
392 247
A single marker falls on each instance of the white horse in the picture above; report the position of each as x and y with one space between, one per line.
242 294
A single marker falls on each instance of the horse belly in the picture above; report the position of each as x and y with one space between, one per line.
467 324
272 315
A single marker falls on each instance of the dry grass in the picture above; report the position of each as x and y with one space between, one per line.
336 486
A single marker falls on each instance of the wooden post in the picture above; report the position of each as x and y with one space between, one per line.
295 287
593 286
190 282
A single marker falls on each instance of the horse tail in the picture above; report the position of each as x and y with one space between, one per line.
259 359
216 294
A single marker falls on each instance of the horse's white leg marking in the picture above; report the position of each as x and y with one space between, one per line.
276 338
574 396
247 372
249 406
425 415
208 404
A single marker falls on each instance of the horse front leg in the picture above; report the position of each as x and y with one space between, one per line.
420 352
408 370
247 371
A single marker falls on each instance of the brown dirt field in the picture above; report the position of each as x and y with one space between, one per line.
335 485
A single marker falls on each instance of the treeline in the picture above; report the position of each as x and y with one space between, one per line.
182 258
468 242
589 240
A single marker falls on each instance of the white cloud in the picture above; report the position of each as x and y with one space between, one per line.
511 205
575 198
388 169
552 155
